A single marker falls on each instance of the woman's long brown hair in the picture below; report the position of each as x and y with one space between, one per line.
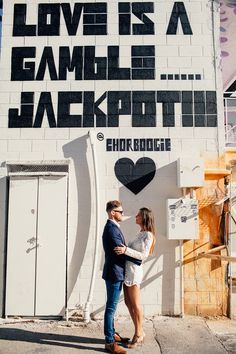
148 224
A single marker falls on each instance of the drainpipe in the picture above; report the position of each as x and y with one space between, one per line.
86 312
215 25
181 279
191 195
181 275
229 247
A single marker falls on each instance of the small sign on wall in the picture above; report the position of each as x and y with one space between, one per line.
182 219
190 172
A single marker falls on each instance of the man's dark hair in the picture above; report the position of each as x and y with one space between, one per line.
112 204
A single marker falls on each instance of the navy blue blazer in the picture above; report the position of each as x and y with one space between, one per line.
114 266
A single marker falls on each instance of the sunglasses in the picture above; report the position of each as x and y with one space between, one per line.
119 211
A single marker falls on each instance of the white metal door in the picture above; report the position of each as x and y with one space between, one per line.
51 253
36 256
20 286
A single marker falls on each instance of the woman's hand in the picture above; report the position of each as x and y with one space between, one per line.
120 249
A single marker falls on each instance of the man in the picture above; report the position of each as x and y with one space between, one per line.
113 274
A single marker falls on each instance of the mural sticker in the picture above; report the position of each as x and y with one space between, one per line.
31 63
91 54
135 176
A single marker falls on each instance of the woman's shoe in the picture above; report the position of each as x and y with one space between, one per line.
136 341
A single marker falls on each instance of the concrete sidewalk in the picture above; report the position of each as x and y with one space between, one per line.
164 335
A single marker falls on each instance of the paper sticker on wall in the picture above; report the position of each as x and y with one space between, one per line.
135 176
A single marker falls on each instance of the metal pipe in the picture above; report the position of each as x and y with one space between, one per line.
181 279
230 248
86 311
184 193
214 5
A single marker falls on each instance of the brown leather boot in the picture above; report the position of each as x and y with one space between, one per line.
115 348
119 339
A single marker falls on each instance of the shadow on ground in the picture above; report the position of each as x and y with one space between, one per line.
62 340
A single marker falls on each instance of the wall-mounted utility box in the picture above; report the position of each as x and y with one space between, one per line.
190 172
182 219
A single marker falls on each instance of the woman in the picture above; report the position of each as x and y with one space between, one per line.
139 248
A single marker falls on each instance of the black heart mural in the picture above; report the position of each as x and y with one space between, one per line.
135 176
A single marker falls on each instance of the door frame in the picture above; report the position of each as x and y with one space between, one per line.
14 169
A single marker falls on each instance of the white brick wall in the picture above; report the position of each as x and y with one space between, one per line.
174 54
19 145
44 146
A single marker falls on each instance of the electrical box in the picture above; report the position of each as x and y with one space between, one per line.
182 219
190 172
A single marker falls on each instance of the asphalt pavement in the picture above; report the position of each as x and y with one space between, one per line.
164 335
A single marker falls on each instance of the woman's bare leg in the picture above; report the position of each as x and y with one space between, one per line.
134 298
128 302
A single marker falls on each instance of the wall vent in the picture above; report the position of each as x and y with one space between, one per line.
37 169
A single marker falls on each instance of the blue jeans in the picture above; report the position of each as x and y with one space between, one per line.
113 295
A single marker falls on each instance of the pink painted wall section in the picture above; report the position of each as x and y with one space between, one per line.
228 42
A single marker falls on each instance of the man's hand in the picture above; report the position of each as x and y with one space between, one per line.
120 249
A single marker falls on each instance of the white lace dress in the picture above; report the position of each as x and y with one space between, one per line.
138 248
